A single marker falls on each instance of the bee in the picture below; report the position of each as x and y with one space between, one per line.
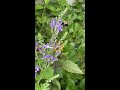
61 48
58 48
65 23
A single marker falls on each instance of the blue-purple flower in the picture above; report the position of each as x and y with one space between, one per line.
53 23
36 44
59 25
47 46
54 59
37 69
56 24
49 57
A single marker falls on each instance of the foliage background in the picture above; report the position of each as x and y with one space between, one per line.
74 50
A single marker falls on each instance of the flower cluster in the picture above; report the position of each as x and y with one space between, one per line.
49 57
50 51
56 24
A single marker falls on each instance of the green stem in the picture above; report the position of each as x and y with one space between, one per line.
44 10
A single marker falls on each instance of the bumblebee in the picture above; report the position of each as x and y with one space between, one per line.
59 48
64 23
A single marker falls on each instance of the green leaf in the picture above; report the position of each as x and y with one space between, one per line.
71 83
58 70
62 2
77 27
81 0
39 19
72 45
38 6
67 88
54 13
51 7
80 17
54 88
44 86
37 87
42 19
71 67
57 83
40 61
74 16
37 13
47 73
82 84
46 1
37 77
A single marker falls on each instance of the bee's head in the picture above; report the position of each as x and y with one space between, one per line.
64 23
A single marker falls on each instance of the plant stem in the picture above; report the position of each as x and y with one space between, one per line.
44 10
